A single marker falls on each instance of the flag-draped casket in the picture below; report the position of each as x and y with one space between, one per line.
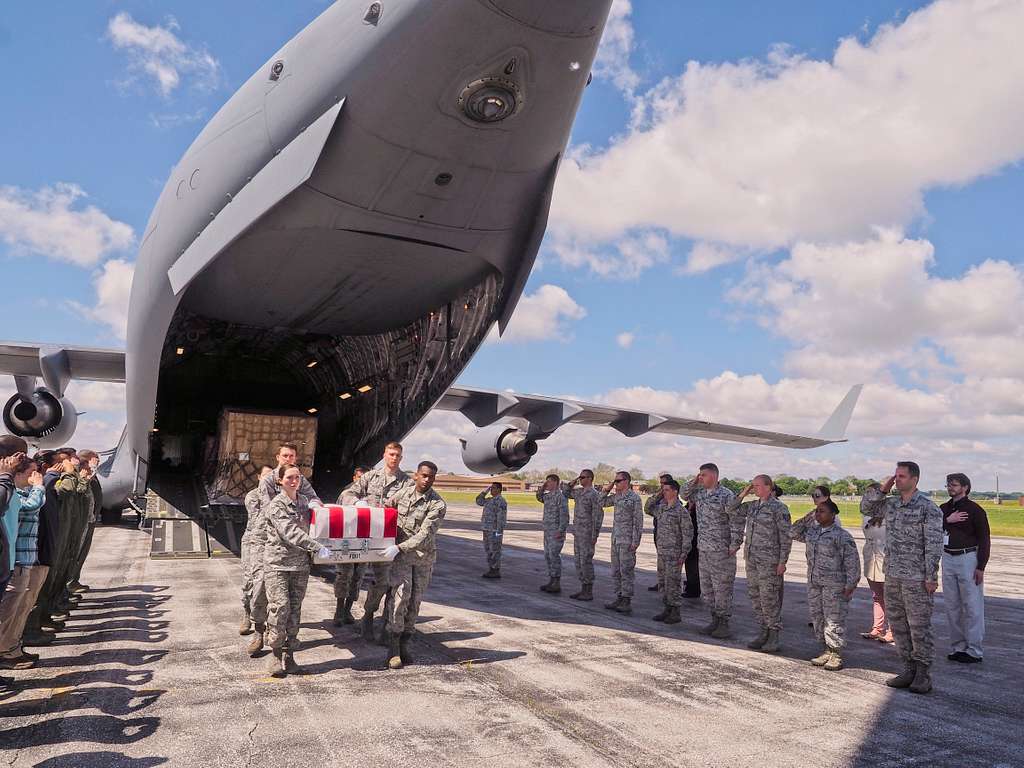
356 534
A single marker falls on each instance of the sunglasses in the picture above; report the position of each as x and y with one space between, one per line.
817 495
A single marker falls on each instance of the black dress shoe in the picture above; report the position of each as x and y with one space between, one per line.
968 659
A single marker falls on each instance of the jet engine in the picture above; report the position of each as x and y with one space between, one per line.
497 448
41 418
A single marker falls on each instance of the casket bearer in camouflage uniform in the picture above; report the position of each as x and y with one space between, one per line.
286 563
420 512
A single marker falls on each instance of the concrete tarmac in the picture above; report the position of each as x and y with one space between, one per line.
151 671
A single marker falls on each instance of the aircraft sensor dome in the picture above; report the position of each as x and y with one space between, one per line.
491 99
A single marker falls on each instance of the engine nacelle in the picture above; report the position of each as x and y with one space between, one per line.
42 418
496 449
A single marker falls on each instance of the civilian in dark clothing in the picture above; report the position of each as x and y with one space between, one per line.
51 543
692 563
964 557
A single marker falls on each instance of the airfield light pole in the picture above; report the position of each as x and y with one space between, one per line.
998 500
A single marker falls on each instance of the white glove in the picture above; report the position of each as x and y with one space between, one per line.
391 552
324 553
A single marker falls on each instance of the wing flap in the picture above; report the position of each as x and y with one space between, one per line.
85 363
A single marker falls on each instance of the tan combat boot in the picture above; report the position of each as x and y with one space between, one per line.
613 604
394 651
275 664
820 661
555 587
835 660
256 644
710 628
245 628
587 593
403 648
758 642
673 615
922 679
772 644
547 587
904 678
722 631
625 606
290 666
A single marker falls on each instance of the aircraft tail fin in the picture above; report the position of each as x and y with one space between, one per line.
834 429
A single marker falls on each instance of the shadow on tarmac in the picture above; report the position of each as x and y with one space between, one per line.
114 693
100 760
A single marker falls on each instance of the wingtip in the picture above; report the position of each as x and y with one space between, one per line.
834 428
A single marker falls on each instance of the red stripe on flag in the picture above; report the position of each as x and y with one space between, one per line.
337 522
390 523
363 523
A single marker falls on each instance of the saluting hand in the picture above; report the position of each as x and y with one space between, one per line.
746 490
11 463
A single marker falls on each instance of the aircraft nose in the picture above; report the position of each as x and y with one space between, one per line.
565 17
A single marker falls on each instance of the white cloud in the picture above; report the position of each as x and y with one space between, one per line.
617 45
545 315
158 53
113 284
707 256
625 339
765 153
627 258
52 222
876 301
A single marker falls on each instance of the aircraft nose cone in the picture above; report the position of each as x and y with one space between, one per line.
567 17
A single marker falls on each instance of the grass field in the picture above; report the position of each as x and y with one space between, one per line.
1006 520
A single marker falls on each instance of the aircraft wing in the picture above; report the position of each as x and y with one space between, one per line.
57 365
540 416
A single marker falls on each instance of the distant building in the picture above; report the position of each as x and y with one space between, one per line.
477 483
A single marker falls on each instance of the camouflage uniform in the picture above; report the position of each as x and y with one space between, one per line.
254 597
375 487
654 507
833 566
419 518
286 565
588 516
913 550
675 537
627 528
492 523
717 536
555 522
766 532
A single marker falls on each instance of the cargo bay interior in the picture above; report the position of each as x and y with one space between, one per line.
362 390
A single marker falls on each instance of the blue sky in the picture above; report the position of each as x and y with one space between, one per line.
83 110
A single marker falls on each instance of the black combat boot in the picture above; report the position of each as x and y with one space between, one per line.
403 648
922 679
290 666
394 651
904 678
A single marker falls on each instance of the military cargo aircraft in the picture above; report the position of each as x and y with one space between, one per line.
343 235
